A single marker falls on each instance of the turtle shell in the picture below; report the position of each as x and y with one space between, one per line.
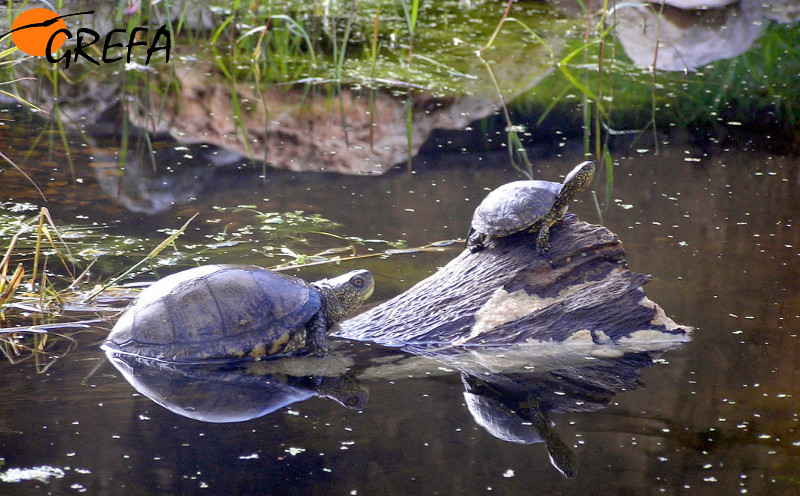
217 311
514 206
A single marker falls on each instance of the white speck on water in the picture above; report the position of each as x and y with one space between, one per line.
252 456
144 417
42 474
508 474
295 451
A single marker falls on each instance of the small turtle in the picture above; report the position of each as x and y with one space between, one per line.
235 311
531 206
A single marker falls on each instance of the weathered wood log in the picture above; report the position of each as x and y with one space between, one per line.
510 294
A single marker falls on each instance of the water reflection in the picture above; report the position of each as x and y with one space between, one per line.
239 391
141 187
686 34
510 391
365 133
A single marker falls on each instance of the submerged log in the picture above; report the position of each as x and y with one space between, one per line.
580 290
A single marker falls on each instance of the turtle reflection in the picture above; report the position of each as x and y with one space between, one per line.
517 419
239 391
511 391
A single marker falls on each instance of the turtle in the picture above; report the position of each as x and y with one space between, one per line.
236 311
531 206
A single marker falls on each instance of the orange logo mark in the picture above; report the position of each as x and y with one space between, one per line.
32 30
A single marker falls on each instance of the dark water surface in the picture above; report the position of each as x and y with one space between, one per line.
718 416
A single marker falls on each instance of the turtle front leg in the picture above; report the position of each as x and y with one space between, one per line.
543 239
475 240
317 340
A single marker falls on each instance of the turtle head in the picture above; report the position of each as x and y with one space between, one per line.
341 295
580 177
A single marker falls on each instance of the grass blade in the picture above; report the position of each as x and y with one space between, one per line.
150 256
13 283
609 174
4 157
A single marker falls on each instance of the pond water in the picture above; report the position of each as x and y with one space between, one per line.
718 416
713 222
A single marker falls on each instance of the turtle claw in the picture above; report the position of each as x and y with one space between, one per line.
319 347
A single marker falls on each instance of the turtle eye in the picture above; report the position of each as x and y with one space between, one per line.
358 282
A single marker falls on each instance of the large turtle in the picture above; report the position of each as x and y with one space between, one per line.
531 206
236 311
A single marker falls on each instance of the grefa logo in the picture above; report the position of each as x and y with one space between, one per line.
41 31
